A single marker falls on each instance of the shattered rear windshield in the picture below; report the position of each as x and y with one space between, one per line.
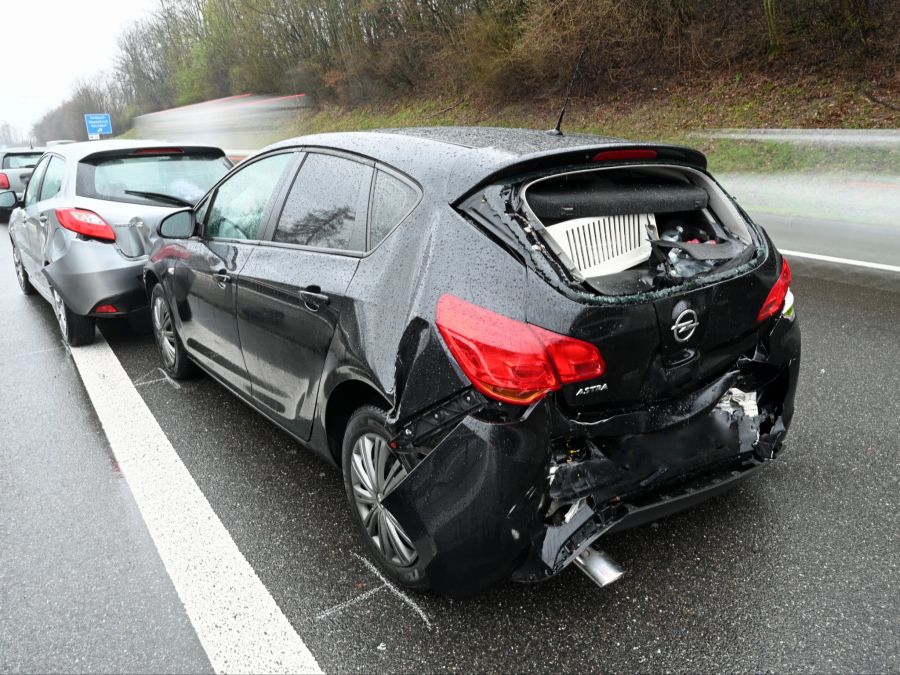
186 176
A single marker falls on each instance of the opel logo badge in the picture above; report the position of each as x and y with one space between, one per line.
685 325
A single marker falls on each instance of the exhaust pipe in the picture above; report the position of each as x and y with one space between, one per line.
599 567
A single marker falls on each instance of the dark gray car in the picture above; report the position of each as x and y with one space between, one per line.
82 230
16 165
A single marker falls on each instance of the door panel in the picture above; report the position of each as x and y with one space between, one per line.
205 282
47 202
293 296
286 335
26 232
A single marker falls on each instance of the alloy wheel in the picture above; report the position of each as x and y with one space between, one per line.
59 307
375 471
164 330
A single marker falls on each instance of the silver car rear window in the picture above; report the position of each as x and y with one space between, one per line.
186 176
21 160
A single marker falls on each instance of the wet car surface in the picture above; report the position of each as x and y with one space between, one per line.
793 570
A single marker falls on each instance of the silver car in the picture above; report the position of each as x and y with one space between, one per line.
82 230
16 165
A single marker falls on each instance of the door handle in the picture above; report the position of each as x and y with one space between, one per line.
222 279
42 218
313 298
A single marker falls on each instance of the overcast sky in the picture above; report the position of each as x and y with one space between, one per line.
46 45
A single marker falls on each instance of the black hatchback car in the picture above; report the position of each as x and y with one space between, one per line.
512 343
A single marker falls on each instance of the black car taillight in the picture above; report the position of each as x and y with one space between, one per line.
86 223
775 300
510 360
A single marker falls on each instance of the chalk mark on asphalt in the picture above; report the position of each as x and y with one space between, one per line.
396 591
349 603
142 380
10 357
241 627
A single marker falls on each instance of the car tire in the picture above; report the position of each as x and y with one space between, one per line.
366 436
21 274
176 362
77 330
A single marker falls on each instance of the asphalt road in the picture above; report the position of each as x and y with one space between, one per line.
797 570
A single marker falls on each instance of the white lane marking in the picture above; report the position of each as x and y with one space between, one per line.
238 623
841 261
396 591
349 603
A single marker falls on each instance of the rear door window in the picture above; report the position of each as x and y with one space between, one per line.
327 204
21 160
392 200
31 192
53 178
241 201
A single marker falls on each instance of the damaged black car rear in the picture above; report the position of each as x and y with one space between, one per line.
533 341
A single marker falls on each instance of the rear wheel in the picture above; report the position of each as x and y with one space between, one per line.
21 274
76 329
175 359
371 471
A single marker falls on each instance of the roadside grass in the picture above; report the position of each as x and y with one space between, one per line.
678 114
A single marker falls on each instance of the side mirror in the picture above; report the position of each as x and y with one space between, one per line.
8 200
178 225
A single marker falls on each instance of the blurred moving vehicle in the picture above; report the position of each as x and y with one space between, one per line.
82 230
511 343
16 165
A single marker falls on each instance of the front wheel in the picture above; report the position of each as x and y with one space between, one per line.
76 329
371 471
175 359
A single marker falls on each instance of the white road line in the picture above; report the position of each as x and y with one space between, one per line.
349 603
238 623
841 261
396 591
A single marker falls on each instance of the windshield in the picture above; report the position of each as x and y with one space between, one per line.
21 161
187 177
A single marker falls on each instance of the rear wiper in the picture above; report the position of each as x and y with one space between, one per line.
178 201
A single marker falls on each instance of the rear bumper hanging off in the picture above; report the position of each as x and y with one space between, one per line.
491 501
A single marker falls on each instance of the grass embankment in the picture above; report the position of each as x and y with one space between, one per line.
676 114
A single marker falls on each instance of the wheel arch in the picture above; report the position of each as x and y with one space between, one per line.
150 280
347 397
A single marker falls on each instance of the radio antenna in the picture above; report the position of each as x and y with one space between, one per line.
557 130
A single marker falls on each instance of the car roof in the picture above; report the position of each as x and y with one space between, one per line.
456 159
23 150
78 151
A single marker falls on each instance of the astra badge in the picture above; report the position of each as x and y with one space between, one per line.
592 390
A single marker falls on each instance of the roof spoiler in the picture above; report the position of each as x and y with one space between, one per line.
161 149
598 155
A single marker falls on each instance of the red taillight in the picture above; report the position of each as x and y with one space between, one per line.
617 155
510 360
85 222
157 151
775 299
106 309
4 181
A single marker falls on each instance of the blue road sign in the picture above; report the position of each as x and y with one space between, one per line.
98 123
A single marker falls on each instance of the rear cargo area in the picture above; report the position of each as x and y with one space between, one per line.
625 230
